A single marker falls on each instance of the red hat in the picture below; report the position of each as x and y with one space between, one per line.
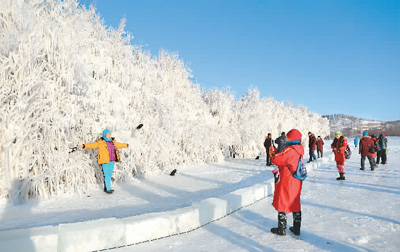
294 135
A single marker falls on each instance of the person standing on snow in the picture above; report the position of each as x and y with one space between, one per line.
268 143
366 150
311 145
377 149
108 154
382 141
320 147
281 141
338 146
287 188
356 142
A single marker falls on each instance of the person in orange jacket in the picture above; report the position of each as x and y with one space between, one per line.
108 154
287 188
338 146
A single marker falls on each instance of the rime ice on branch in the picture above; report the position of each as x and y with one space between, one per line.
65 76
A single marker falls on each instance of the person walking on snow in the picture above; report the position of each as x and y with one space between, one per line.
267 144
382 141
287 188
338 146
320 147
365 148
281 141
311 145
108 154
377 149
356 142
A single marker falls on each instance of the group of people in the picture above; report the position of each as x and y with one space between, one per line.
287 157
314 144
369 147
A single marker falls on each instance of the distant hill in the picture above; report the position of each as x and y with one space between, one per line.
353 126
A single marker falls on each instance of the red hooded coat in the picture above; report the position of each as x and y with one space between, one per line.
288 189
340 147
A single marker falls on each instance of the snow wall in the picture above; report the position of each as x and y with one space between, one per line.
65 76
111 233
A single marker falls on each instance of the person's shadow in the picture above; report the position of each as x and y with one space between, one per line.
16 209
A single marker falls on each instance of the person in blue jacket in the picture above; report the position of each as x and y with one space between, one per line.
356 142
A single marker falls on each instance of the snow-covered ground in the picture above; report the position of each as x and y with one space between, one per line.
359 214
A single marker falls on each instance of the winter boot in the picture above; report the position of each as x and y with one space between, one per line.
342 177
296 223
281 229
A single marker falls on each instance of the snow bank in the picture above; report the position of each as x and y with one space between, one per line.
112 232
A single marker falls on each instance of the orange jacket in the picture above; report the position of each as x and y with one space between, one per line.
103 155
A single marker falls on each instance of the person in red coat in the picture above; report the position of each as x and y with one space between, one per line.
338 146
364 149
287 188
320 147
312 142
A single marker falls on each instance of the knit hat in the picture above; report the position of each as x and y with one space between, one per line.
365 133
105 132
294 135
338 133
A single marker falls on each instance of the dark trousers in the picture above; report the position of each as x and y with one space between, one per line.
312 155
320 152
381 155
268 159
371 162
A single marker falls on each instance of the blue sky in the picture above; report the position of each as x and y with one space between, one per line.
332 56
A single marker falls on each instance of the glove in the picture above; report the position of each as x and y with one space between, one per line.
277 177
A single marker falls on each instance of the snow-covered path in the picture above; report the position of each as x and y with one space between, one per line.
359 214
151 194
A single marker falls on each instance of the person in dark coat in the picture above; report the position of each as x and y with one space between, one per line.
382 141
312 142
267 144
287 188
320 147
281 141
365 150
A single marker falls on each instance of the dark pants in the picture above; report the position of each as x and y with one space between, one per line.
312 155
320 152
268 159
371 162
381 154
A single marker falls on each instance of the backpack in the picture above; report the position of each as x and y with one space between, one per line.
301 171
347 153
377 146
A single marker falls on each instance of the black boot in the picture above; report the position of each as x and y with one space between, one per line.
342 177
281 229
296 223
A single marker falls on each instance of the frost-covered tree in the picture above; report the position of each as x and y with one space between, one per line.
65 76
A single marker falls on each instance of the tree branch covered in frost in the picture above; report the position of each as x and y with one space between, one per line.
65 77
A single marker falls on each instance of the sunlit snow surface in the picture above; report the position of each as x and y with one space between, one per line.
359 214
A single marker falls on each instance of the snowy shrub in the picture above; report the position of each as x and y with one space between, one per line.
65 77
